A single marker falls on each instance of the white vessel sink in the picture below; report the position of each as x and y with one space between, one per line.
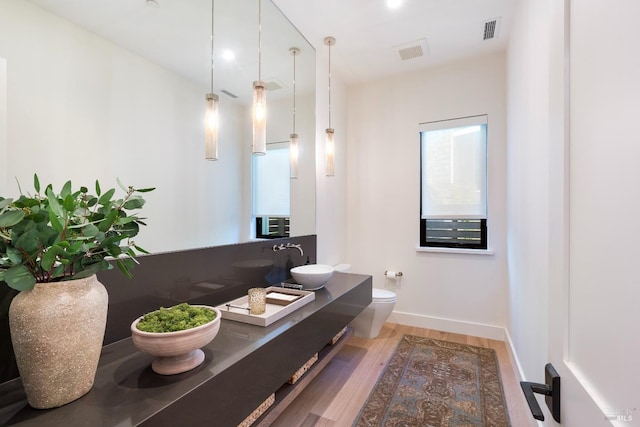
312 276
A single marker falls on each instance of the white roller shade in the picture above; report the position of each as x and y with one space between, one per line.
454 169
271 195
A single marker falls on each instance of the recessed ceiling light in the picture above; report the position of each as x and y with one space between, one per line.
153 3
394 4
228 55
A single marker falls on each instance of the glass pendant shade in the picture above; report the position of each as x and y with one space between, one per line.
259 119
329 149
211 127
293 155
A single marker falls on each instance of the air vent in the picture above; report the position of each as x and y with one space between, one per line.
411 50
226 92
491 29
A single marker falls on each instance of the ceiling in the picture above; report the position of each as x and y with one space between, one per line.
367 31
176 34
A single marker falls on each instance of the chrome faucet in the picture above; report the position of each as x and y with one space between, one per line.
297 246
289 245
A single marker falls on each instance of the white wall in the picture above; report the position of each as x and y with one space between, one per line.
3 120
331 192
81 108
384 194
528 183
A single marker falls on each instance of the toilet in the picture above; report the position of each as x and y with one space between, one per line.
369 323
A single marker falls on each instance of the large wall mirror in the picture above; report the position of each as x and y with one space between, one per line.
116 89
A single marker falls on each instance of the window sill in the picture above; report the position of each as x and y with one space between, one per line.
455 251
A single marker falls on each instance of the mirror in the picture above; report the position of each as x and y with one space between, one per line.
116 89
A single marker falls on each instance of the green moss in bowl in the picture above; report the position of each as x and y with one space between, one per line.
177 318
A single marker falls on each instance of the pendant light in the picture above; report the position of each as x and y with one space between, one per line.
329 145
293 138
259 146
211 116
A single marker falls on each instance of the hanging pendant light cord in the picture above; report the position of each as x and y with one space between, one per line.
294 92
329 85
212 62
259 40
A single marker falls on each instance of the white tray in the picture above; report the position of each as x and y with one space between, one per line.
273 312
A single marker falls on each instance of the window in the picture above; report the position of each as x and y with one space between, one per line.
271 193
453 168
272 227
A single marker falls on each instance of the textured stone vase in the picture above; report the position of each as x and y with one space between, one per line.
57 331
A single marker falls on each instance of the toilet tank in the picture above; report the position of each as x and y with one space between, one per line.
342 268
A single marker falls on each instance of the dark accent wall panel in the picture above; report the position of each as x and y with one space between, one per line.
208 276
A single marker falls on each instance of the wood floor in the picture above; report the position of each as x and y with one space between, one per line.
337 394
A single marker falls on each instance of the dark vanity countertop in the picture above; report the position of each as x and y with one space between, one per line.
127 392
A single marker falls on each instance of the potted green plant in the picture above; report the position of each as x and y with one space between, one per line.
175 335
51 247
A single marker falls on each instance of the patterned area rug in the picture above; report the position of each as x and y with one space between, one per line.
437 383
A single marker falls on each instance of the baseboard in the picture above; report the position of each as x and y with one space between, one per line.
449 325
514 356
518 367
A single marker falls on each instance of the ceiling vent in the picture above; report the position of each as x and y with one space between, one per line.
411 50
491 28
232 95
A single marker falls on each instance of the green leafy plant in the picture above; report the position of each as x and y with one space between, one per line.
177 318
49 237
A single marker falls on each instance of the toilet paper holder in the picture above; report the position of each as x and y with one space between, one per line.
393 273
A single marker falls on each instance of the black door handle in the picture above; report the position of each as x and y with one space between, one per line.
551 390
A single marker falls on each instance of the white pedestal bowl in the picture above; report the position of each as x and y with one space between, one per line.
176 352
